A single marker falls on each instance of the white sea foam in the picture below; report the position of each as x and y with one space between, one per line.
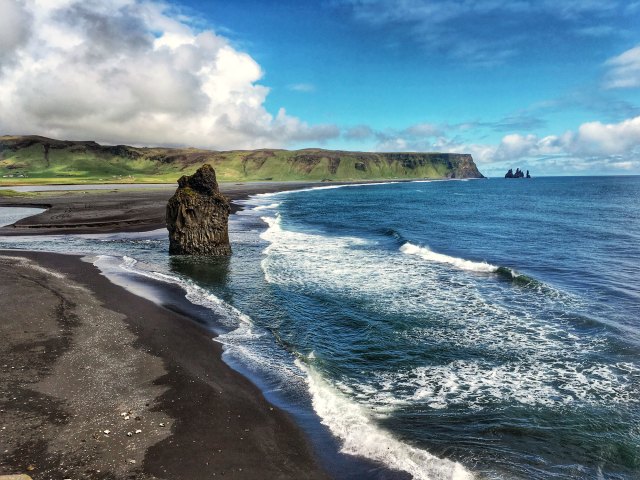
461 263
359 434
477 384
271 206
244 341
321 187
534 356
229 315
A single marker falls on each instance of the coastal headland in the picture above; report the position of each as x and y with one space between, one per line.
33 159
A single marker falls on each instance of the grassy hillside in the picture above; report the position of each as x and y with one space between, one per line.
32 159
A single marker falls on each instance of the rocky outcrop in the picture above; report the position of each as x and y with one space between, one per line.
198 216
518 174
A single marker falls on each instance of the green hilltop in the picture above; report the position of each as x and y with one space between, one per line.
34 159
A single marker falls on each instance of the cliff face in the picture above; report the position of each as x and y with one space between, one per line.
40 157
198 215
456 165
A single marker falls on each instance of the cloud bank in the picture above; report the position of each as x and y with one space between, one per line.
126 71
597 146
591 140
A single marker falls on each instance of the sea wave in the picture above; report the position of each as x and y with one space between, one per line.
507 273
270 206
243 342
351 423
345 418
428 254
259 196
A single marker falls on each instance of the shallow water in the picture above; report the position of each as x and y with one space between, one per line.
10 215
446 329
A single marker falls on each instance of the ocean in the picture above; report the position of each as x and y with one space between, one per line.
482 329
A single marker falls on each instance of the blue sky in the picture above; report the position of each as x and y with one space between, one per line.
553 86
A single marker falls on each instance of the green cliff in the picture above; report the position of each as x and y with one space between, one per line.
33 159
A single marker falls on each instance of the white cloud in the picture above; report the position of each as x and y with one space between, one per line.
516 146
126 71
596 138
616 142
15 24
624 70
302 87
359 132
424 130
624 165
592 146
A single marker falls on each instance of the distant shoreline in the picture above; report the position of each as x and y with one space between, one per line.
87 210
112 211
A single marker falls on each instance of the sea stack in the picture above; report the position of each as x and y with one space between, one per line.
519 174
198 216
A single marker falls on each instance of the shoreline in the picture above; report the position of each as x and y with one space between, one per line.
216 420
88 211
315 450
316 442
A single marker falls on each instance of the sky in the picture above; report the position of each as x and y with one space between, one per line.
552 86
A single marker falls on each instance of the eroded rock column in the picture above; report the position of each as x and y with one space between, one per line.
198 216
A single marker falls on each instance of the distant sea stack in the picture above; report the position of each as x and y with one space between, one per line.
198 216
519 174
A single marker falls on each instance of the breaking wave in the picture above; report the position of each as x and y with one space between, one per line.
469 265
430 255
351 423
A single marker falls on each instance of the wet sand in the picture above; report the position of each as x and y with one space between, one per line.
86 363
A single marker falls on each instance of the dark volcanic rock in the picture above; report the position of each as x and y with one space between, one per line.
198 216
519 174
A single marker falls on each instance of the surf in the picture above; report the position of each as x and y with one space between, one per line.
506 273
360 435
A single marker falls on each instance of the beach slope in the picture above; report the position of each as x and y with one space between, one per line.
99 383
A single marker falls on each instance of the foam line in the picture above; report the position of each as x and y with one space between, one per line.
271 206
195 294
461 263
361 436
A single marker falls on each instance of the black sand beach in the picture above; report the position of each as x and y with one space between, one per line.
100 383
86 365
111 211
